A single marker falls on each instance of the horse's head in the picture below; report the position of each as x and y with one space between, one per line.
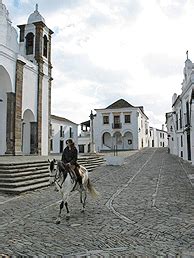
52 170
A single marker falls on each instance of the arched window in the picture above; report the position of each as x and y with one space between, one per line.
29 43
45 44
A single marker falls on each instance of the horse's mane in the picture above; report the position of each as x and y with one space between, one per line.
62 169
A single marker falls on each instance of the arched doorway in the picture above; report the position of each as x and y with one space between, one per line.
5 87
28 118
117 141
106 141
128 141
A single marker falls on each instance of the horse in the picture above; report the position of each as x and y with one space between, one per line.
65 182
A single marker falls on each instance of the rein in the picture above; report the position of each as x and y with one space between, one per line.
57 177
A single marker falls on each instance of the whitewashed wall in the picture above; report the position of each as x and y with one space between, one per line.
56 124
179 145
132 128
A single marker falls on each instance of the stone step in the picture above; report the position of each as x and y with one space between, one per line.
17 177
94 162
22 165
20 170
23 173
24 178
24 183
21 189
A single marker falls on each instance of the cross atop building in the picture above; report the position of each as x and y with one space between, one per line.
187 53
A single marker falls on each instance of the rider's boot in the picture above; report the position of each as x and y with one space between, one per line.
79 178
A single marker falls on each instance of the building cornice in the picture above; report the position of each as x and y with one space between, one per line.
62 119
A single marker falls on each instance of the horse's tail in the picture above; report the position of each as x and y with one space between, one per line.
91 189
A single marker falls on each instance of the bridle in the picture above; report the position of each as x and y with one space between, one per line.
56 176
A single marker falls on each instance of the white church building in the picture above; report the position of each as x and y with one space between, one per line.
25 85
180 121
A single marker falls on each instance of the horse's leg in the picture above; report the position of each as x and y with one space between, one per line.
80 197
59 215
68 214
84 201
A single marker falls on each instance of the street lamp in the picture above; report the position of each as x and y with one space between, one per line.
1 100
92 131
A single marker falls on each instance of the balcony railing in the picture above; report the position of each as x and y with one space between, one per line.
116 125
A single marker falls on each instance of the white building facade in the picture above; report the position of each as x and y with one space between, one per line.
180 121
61 130
158 138
25 85
84 138
120 126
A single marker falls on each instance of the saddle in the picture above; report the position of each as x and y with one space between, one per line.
73 173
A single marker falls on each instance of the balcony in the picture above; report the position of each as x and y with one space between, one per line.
116 125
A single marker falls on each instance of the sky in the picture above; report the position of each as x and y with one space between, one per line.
105 50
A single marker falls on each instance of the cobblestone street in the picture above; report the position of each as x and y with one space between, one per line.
145 208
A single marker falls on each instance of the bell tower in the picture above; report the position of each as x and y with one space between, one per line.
35 46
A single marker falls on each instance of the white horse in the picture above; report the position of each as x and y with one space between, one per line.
65 182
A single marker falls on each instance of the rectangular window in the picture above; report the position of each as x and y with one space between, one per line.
127 119
61 131
116 119
51 144
187 114
177 121
105 120
70 133
181 141
180 119
116 123
61 145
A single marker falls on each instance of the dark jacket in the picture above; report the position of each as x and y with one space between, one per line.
69 156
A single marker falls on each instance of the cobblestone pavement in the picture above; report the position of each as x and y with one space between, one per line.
145 209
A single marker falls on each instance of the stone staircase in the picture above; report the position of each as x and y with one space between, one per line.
20 176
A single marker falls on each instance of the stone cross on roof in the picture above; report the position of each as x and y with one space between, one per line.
187 53
36 7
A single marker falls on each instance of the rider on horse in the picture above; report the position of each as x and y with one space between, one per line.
69 159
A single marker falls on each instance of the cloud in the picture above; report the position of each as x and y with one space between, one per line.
103 50
50 5
80 67
172 8
162 65
21 9
127 9
97 19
